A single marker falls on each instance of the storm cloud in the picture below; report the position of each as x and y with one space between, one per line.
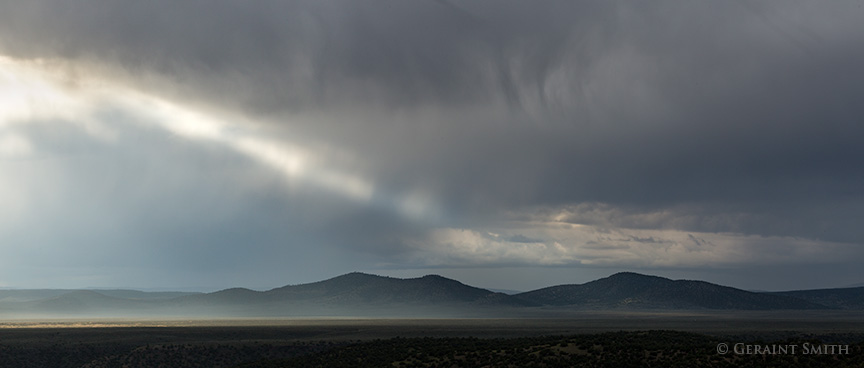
391 134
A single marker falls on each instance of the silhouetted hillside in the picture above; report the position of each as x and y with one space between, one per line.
359 294
360 288
233 296
635 291
355 294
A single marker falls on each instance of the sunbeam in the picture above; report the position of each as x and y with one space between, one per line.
31 91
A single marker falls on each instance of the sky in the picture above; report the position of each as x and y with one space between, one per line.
207 144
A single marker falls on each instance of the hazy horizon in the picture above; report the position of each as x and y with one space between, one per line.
507 145
503 288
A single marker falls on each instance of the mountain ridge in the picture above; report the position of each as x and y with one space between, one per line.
360 287
363 294
633 290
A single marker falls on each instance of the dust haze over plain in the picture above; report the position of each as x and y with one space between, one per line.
562 140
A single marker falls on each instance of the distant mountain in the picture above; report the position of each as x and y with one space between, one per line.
24 295
360 288
84 302
359 294
843 298
628 290
143 295
103 303
233 296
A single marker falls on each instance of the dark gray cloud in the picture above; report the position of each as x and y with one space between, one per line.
302 54
734 117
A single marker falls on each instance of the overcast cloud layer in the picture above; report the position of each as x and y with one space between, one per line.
225 143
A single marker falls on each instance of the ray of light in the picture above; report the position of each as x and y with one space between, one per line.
32 91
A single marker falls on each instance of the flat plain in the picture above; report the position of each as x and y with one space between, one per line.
281 342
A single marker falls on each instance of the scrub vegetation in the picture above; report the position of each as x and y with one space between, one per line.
353 345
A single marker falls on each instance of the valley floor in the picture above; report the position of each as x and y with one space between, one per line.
593 339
